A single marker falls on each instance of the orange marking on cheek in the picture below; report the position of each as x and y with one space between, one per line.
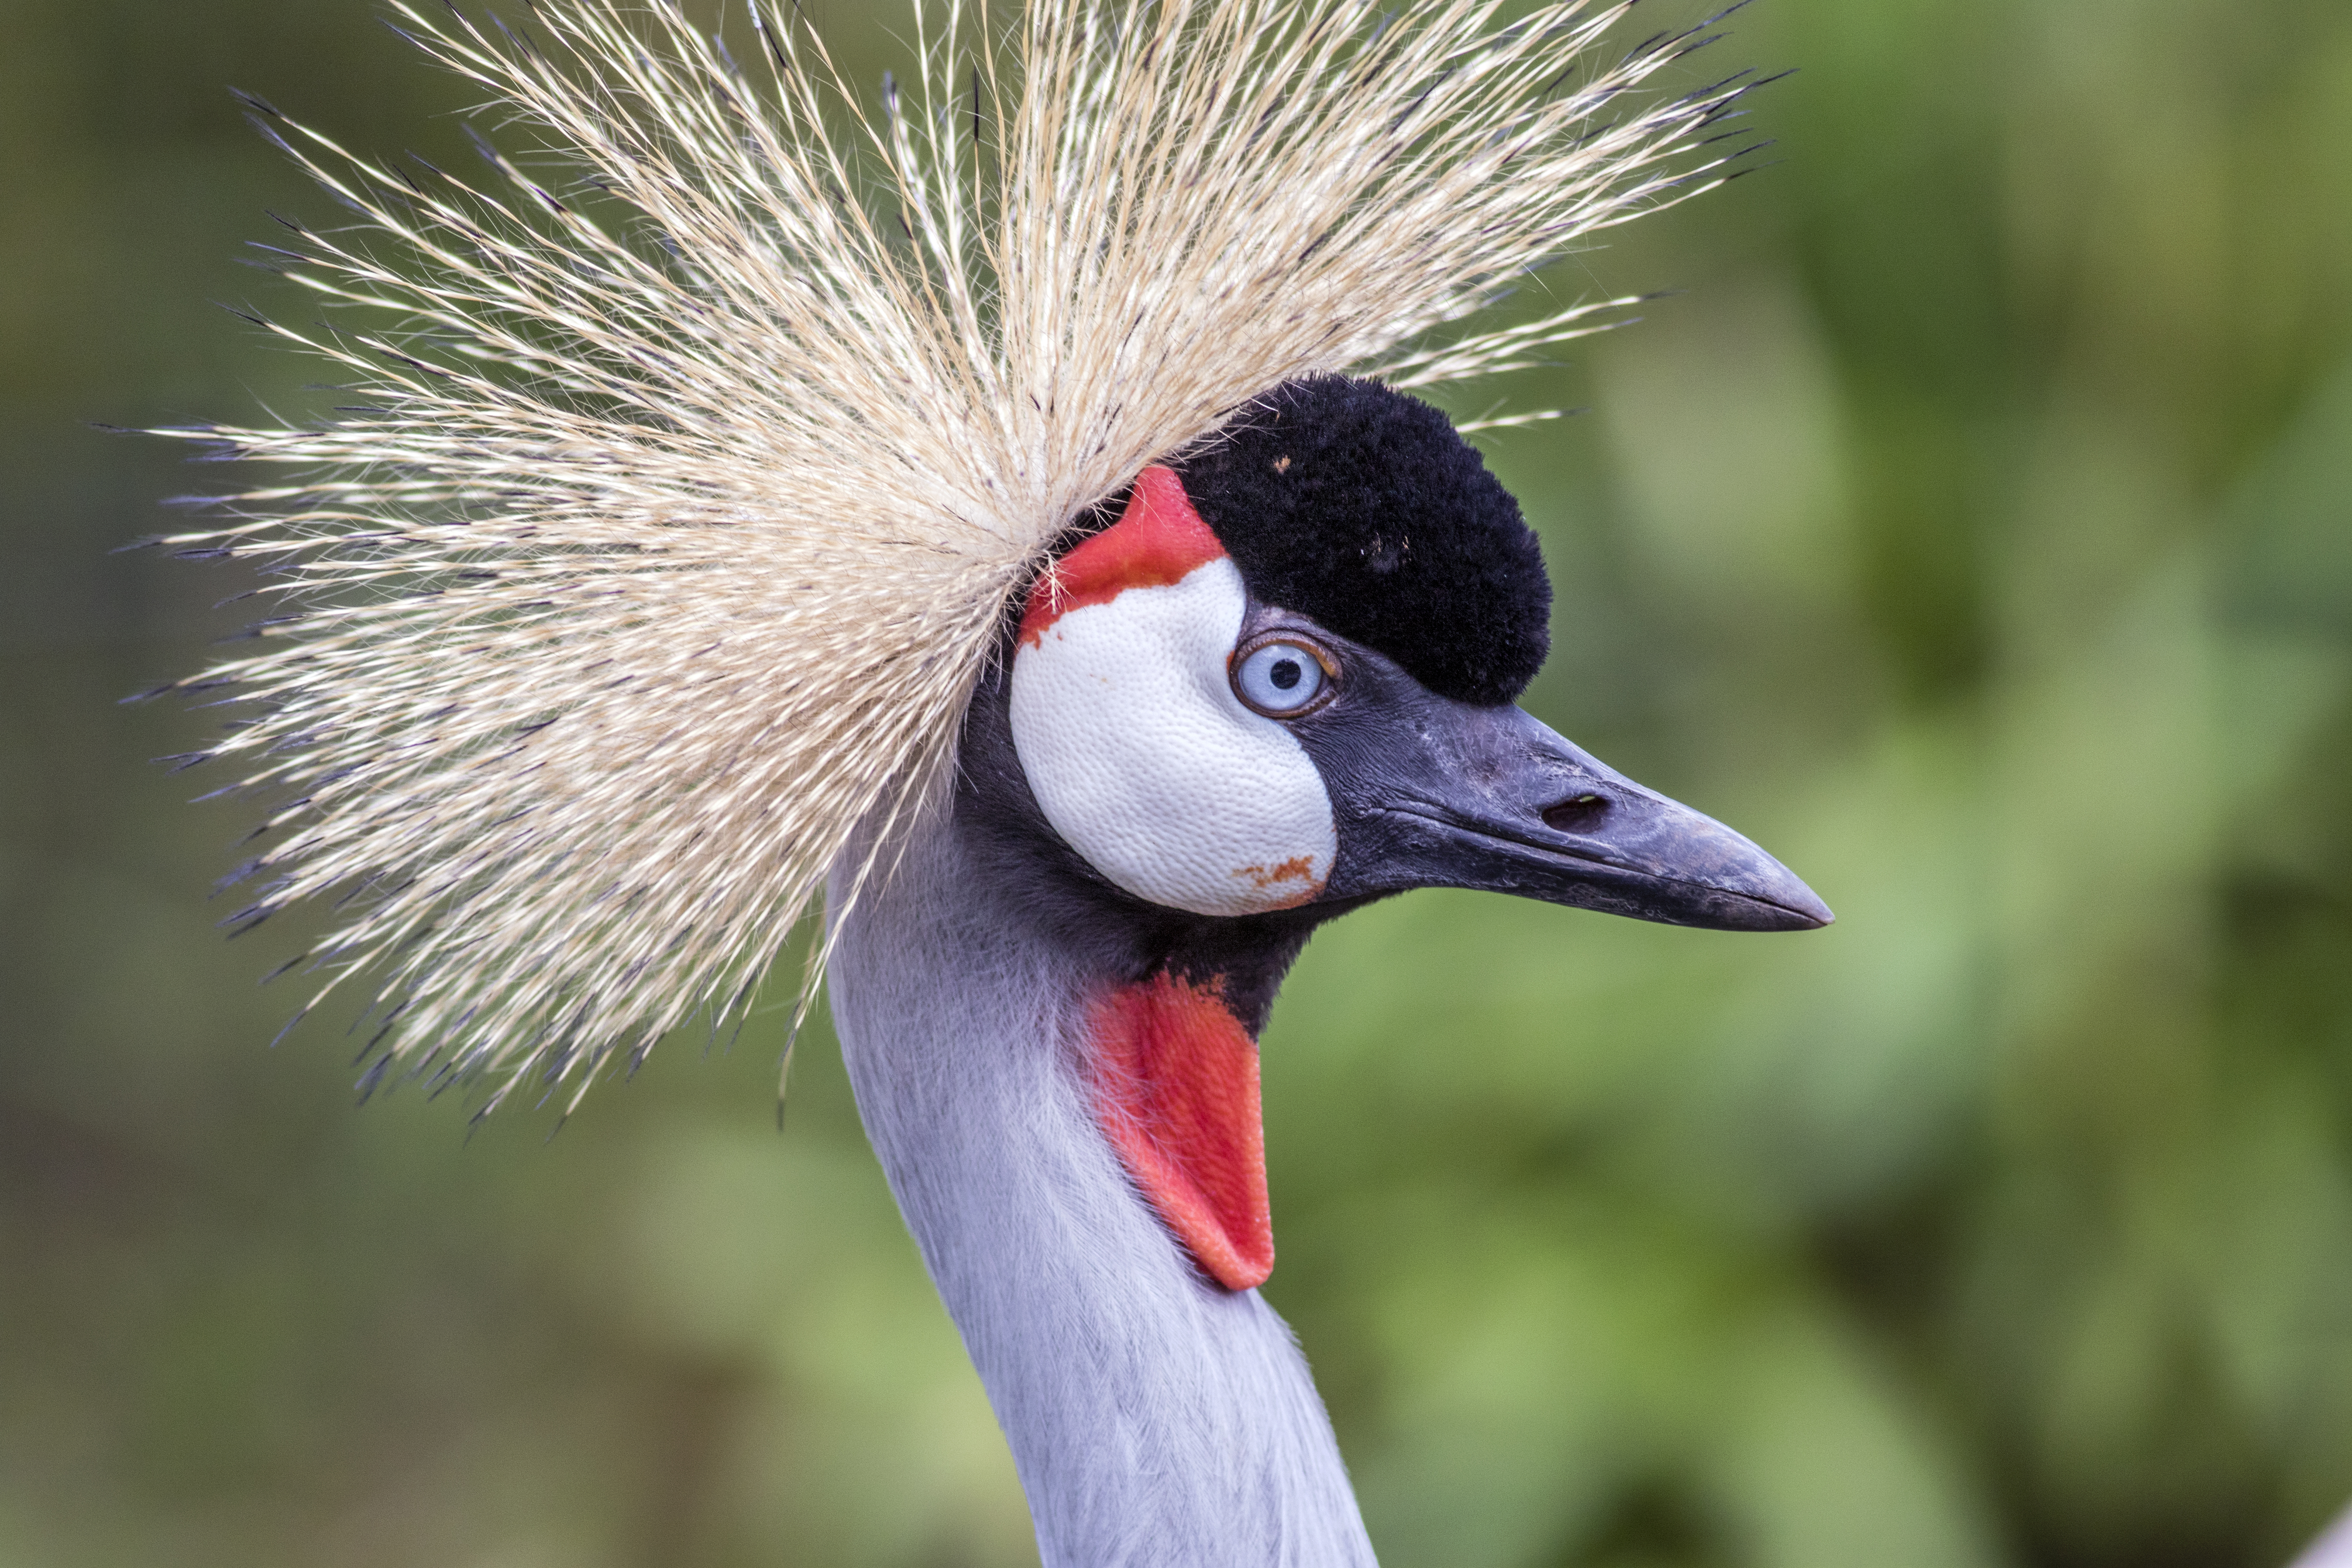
1176 1092
1156 540
1297 869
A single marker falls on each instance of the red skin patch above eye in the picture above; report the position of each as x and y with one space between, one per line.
1156 540
1176 1092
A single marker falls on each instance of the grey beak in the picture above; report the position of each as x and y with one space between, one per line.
1437 794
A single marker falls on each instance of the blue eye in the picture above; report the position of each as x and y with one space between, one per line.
1280 679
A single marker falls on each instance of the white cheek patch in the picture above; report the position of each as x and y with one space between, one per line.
1148 766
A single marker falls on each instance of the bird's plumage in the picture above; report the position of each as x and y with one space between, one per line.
965 512
692 458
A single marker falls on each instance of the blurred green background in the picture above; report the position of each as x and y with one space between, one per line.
1971 529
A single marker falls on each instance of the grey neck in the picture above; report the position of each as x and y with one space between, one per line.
1157 1420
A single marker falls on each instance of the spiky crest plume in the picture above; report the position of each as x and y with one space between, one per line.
688 494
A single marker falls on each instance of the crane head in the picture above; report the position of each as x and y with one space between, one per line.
1279 686
1283 679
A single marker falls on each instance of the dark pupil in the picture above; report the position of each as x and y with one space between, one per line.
1284 674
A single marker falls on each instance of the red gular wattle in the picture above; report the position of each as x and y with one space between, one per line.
1176 1091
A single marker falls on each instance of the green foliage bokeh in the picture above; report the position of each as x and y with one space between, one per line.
1973 527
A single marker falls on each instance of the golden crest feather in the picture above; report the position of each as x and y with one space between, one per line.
689 495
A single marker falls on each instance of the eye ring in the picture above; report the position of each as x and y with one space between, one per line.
1323 672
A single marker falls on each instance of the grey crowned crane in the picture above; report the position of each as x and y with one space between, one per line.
1008 515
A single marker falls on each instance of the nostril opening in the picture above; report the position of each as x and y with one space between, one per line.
1578 814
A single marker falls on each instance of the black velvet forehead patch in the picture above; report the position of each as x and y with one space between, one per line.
1362 508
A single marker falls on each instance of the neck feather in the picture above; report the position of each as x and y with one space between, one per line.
1156 1417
